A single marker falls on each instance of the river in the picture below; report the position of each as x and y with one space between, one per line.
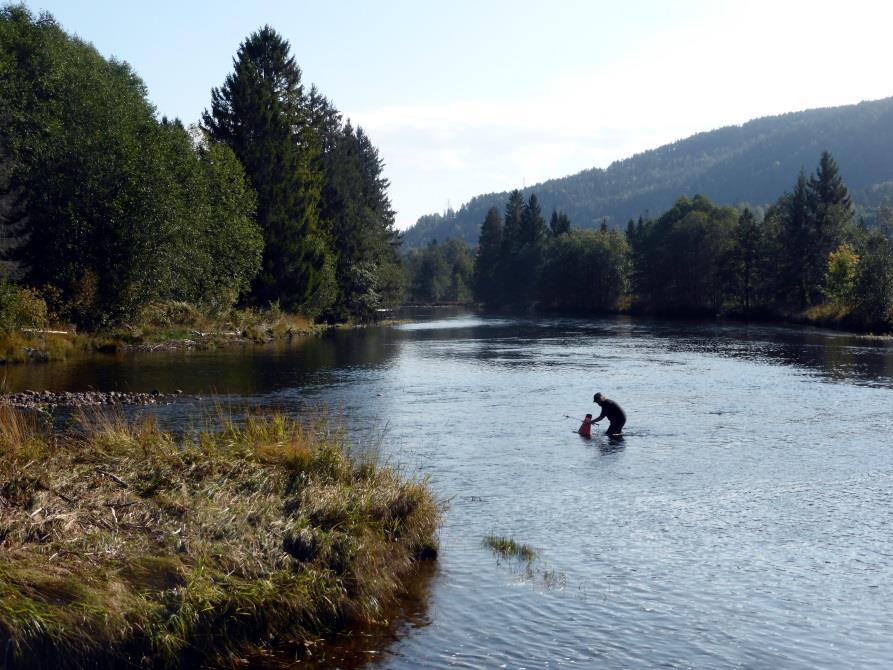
745 520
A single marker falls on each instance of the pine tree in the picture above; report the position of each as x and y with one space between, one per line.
792 218
533 226
832 216
261 112
486 269
745 258
356 212
559 224
811 221
512 236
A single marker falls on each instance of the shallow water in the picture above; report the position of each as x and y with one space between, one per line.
744 520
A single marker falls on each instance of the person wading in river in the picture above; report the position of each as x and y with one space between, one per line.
613 412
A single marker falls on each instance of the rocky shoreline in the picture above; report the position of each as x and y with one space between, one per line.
53 399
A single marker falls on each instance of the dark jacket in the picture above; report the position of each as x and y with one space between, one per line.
613 411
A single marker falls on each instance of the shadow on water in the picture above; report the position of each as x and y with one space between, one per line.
499 343
833 354
509 342
244 370
368 643
611 444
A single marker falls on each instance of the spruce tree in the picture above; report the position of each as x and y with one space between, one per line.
559 224
486 269
832 216
794 250
533 226
357 215
261 112
745 258
514 210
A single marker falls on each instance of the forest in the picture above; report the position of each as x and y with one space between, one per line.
106 211
808 257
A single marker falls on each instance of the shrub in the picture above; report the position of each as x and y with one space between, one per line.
20 307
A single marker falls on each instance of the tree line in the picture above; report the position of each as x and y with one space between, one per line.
807 256
272 198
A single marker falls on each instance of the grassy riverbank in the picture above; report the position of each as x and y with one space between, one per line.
125 545
164 326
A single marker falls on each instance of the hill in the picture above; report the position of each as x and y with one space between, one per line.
753 163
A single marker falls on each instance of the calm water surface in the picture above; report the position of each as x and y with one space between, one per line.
743 522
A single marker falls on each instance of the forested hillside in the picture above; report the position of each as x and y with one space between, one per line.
749 164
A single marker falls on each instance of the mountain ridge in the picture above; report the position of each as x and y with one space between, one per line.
751 163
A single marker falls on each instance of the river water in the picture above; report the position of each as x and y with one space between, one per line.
745 520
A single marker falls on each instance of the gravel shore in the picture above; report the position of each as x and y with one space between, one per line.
51 399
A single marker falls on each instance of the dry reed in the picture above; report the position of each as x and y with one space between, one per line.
125 545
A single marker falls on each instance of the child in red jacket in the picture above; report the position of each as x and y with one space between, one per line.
586 427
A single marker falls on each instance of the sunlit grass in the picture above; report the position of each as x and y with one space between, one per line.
175 323
506 547
526 560
125 545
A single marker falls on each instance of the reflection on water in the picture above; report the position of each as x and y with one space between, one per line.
245 371
366 643
743 521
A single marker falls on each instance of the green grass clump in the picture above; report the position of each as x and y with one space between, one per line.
506 547
22 347
125 545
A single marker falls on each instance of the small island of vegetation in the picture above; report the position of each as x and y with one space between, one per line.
125 545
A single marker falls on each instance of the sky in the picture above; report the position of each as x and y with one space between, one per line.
467 97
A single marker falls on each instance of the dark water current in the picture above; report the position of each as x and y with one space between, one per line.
745 520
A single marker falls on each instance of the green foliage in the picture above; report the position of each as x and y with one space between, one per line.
682 257
356 213
487 264
559 224
81 139
327 221
108 210
810 222
840 276
873 299
440 273
261 113
112 209
698 258
224 248
20 308
746 270
521 251
533 227
585 271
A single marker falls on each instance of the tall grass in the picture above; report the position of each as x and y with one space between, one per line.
507 547
125 545
178 324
